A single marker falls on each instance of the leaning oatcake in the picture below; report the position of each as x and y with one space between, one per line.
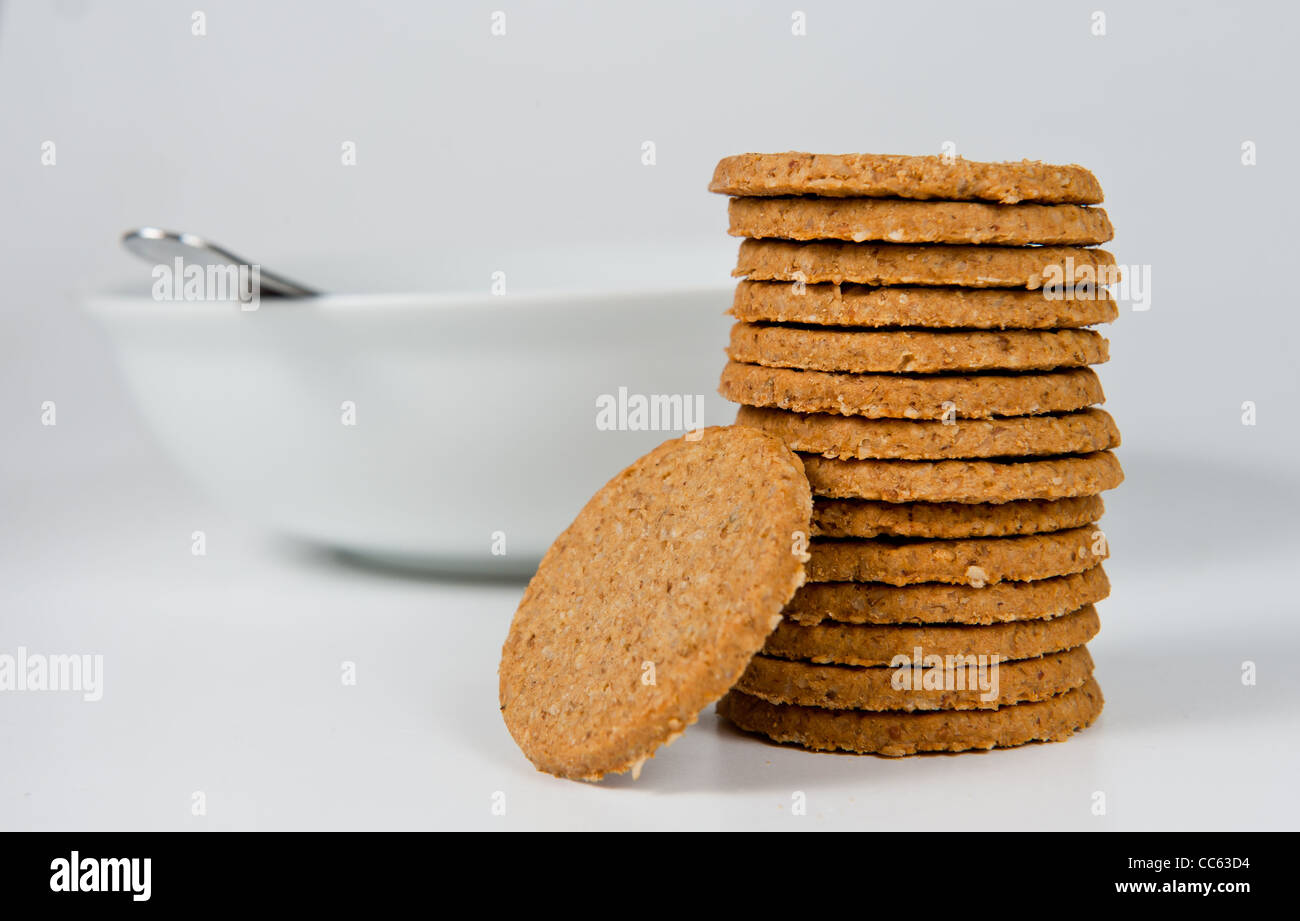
651 604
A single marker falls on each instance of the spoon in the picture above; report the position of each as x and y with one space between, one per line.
163 246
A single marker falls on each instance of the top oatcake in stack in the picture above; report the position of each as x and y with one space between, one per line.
917 328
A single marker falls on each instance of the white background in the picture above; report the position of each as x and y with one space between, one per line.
223 671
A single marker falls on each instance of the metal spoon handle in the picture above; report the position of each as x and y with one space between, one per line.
164 246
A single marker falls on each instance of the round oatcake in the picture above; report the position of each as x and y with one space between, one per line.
974 481
872 518
940 603
871 645
895 734
844 687
935 307
912 396
974 561
944 265
651 604
860 438
889 175
915 351
898 221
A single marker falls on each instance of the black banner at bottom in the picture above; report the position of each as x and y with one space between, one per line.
212 870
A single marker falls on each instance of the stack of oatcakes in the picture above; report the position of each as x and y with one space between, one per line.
918 329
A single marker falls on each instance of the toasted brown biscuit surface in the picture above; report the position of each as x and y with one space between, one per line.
914 351
963 480
860 438
903 264
963 687
937 603
683 561
893 396
891 175
880 644
902 221
963 308
896 734
865 518
975 561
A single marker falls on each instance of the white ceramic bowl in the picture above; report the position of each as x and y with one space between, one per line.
475 413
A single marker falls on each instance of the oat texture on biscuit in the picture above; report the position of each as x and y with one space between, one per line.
891 175
649 606
870 307
898 734
864 219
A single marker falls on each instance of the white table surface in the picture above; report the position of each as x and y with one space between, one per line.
222 675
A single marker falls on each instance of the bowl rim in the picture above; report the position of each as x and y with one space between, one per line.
123 301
